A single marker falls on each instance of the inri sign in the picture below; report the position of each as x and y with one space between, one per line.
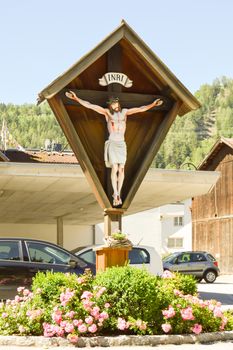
113 77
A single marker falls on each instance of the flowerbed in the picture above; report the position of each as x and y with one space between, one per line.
121 300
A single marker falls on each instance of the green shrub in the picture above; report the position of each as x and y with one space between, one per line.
130 292
48 286
229 315
184 283
136 293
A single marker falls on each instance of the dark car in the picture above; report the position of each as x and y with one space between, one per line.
21 259
197 263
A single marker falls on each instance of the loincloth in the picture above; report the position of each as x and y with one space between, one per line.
115 152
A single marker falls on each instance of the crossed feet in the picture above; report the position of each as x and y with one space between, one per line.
116 199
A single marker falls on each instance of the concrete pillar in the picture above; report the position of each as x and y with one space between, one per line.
60 231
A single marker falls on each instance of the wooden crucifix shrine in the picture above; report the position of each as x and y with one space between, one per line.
123 67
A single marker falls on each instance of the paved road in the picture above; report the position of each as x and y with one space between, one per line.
221 290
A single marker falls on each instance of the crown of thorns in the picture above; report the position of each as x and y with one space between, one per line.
113 100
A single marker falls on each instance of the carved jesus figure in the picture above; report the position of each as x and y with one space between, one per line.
115 150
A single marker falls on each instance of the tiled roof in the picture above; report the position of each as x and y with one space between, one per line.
37 156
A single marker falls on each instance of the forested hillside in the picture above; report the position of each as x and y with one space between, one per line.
31 125
191 136
188 140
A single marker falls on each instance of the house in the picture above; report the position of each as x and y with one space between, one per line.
212 213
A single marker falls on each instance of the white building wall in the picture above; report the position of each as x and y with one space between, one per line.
74 235
169 230
142 228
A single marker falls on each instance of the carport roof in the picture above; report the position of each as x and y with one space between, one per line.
39 193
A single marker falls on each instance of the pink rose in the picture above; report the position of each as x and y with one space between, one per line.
86 295
166 327
26 292
49 330
122 324
104 315
92 328
73 338
95 312
187 314
70 314
141 325
57 316
89 320
63 324
197 328
82 328
69 328
169 313
167 274
77 323
218 312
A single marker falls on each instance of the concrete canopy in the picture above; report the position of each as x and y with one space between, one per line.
39 193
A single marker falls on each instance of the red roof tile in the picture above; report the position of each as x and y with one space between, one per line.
35 156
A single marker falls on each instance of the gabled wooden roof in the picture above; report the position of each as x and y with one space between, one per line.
222 142
165 77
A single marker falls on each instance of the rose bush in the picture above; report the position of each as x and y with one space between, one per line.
121 300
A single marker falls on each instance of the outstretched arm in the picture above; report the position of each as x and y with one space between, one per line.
86 104
141 109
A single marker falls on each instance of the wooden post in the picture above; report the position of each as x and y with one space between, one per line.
112 221
111 256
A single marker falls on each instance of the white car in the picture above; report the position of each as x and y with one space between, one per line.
139 256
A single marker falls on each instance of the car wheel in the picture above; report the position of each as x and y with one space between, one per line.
210 276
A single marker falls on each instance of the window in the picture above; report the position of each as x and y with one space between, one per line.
139 256
196 257
47 254
175 242
88 256
178 221
9 250
184 258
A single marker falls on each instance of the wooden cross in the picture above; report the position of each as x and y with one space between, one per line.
127 100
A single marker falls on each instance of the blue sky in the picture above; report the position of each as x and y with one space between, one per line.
41 39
